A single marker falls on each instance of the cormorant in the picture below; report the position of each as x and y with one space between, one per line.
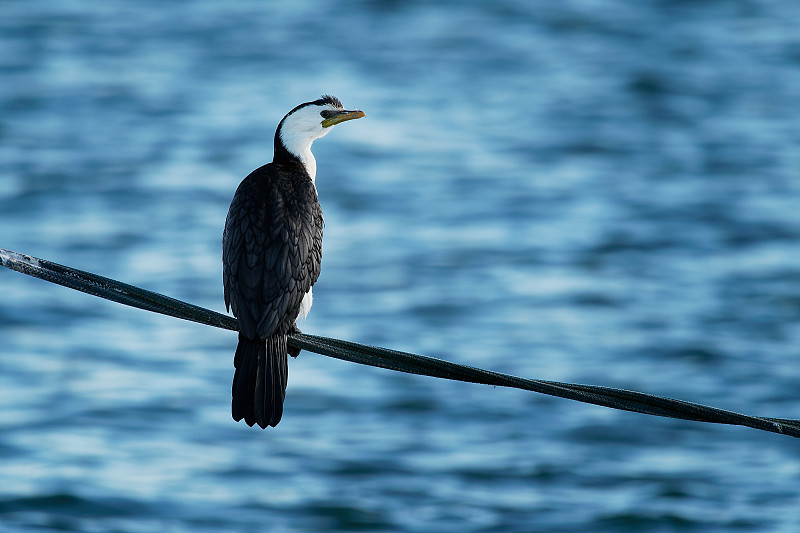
271 253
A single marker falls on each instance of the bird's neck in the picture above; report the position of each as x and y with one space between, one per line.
296 147
307 159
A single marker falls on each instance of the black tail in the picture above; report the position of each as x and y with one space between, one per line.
259 384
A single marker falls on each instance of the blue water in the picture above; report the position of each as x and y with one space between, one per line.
595 192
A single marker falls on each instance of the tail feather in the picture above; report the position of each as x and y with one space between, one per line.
259 384
271 382
248 352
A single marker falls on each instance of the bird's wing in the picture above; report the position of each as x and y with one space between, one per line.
271 251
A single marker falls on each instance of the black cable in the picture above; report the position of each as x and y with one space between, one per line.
391 359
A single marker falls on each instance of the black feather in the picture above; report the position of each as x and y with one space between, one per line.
270 387
271 253
248 354
330 100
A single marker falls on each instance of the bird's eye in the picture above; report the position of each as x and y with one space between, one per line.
325 113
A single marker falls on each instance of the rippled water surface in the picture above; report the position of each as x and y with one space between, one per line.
595 192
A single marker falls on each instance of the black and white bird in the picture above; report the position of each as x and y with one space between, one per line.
271 253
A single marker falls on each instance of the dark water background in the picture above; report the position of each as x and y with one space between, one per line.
597 192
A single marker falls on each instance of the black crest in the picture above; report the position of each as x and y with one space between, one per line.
328 99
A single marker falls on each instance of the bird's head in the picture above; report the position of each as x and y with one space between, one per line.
307 122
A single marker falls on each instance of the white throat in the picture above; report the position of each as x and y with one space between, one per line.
303 152
298 131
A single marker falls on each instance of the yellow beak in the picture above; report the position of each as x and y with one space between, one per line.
341 116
